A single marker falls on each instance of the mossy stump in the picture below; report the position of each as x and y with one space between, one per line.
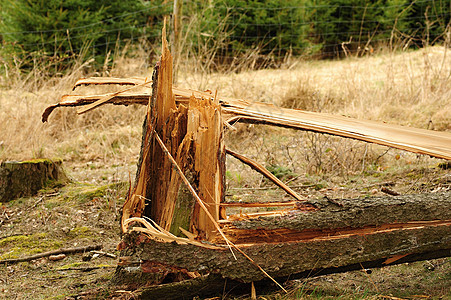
26 178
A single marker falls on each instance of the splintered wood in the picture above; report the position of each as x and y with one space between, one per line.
205 124
417 140
192 135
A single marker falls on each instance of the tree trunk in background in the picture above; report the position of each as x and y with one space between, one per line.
25 179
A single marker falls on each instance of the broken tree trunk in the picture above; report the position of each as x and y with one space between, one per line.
192 135
180 185
370 231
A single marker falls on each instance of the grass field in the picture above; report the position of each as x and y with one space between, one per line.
100 150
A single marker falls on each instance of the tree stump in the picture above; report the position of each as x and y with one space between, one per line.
26 178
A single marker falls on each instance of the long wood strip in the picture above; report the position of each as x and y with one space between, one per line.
109 80
421 141
262 170
258 204
107 98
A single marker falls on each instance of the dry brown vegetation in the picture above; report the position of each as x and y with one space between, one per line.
102 147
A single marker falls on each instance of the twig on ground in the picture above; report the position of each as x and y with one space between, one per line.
49 253
389 192
37 202
105 254
85 269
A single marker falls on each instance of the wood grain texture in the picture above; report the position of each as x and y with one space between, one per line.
421 141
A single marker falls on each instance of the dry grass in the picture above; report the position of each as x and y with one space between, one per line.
408 88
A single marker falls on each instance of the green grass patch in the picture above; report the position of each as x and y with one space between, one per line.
72 265
22 245
81 232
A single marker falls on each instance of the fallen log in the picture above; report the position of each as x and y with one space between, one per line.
212 285
362 231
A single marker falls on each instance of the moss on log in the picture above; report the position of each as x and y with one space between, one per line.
26 178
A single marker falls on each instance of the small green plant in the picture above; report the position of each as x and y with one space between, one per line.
280 172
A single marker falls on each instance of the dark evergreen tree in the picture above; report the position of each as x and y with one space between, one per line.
60 28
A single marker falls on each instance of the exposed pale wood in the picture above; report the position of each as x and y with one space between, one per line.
246 237
170 125
245 216
179 140
258 204
262 170
107 98
200 202
122 98
77 100
422 141
179 212
204 121
153 181
109 80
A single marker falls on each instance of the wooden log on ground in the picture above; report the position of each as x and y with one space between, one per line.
378 230
213 285
26 178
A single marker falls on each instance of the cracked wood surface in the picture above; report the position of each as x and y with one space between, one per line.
421 141
358 231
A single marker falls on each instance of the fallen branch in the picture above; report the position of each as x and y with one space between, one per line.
102 253
49 253
85 269
262 170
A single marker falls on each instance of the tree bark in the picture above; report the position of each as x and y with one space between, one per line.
214 285
377 230
26 178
